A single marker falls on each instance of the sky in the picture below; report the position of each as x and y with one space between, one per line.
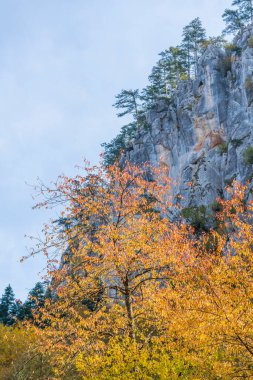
62 62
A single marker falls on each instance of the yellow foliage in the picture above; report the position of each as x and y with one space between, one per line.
137 296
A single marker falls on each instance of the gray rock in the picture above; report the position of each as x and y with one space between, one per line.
201 136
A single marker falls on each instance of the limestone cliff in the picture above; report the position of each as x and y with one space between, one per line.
203 133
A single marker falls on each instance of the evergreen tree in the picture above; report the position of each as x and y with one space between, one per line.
149 96
237 19
158 77
113 149
245 8
165 75
193 35
218 41
127 101
233 20
8 307
35 300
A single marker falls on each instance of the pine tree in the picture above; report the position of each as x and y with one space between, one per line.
165 75
113 149
237 19
177 64
36 299
233 20
193 35
127 101
149 96
245 8
8 308
218 41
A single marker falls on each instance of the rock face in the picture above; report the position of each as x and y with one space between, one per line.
204 132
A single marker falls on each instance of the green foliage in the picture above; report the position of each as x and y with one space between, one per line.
127 103
12 310
225 64
35 300
165 75
245 9
8 307
216 206
248 155
114 149
236 19
229 181
218 42
236 142
233 20
232 48
193 37
223 148
197 217
250 42
248 84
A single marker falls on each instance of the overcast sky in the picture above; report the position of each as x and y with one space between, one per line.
62 62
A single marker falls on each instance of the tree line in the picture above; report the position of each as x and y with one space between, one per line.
175 64
13 310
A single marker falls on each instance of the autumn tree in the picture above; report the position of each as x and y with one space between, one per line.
126 249
136 295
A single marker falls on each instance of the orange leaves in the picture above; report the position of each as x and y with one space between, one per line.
130 277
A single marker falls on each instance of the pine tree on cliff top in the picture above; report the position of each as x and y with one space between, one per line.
236 19
193 36
245 8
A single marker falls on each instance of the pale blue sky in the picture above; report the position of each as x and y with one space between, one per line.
62 62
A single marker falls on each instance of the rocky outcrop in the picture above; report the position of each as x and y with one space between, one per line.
204 132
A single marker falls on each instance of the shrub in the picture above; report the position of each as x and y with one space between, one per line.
232 48
197 217
236 142
248 155
225 64
248 84
216 206
223 148
250 42
230 180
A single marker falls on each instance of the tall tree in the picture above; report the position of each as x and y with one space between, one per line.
245 8
36 299
152 273
193 35
119 144
165 75
8 307
233 20
127 102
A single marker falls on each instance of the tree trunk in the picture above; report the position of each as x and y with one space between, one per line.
129 308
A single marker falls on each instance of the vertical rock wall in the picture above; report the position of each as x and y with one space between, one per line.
202 133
